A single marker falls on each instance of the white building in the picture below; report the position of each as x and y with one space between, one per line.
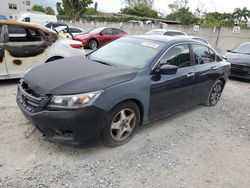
12 8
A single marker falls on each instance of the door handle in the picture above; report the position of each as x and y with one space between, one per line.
190 74
214 67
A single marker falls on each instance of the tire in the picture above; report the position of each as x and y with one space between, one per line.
122 123
93 44
214 94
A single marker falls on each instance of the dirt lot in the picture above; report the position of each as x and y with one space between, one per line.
202 147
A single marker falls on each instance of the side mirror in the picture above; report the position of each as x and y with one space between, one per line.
168 69
229 50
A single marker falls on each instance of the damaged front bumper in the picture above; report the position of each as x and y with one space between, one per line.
76 127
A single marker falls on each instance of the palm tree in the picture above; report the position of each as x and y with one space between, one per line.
240 14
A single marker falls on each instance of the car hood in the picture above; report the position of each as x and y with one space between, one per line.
236 58
75 75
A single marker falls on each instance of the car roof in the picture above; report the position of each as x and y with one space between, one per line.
26 24
164 39
190 37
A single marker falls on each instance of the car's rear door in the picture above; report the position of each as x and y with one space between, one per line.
207 70
117 33
169 93
24 49
3 69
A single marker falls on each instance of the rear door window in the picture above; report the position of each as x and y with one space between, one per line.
212 55
108 31
178 55
201 54
117 31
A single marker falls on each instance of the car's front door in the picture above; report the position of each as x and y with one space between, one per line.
107 36
3 69
24 49
169 93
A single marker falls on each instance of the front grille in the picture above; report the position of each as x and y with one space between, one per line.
31 100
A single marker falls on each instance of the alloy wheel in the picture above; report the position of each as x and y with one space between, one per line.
93 44
123 124
216 93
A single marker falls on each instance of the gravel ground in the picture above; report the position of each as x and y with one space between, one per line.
202 147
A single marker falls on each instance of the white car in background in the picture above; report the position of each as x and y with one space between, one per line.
36 17
166 32
70 31
25 45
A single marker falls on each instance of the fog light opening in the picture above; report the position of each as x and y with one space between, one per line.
64 133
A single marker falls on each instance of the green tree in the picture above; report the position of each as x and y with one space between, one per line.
139 3
142 11
49 11
215 19
38 8
90 11
241 14
75 8
60 9
184 16
177 5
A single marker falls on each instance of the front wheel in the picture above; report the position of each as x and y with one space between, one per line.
215 94
123 120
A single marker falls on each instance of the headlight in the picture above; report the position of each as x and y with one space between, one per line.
74 101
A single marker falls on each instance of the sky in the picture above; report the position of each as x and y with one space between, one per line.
162 5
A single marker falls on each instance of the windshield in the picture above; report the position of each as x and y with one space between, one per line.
155 32
95 31
132 52
242 49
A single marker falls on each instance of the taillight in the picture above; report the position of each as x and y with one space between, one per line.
229 66
76 45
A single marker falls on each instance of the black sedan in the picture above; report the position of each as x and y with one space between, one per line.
239 58
129 82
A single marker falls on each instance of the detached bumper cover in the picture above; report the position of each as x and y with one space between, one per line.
82 126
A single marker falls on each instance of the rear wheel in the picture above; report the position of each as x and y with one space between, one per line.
93 44
123 120
215 94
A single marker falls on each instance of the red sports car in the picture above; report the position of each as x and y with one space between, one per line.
99 37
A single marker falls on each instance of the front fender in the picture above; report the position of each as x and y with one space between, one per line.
137 89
